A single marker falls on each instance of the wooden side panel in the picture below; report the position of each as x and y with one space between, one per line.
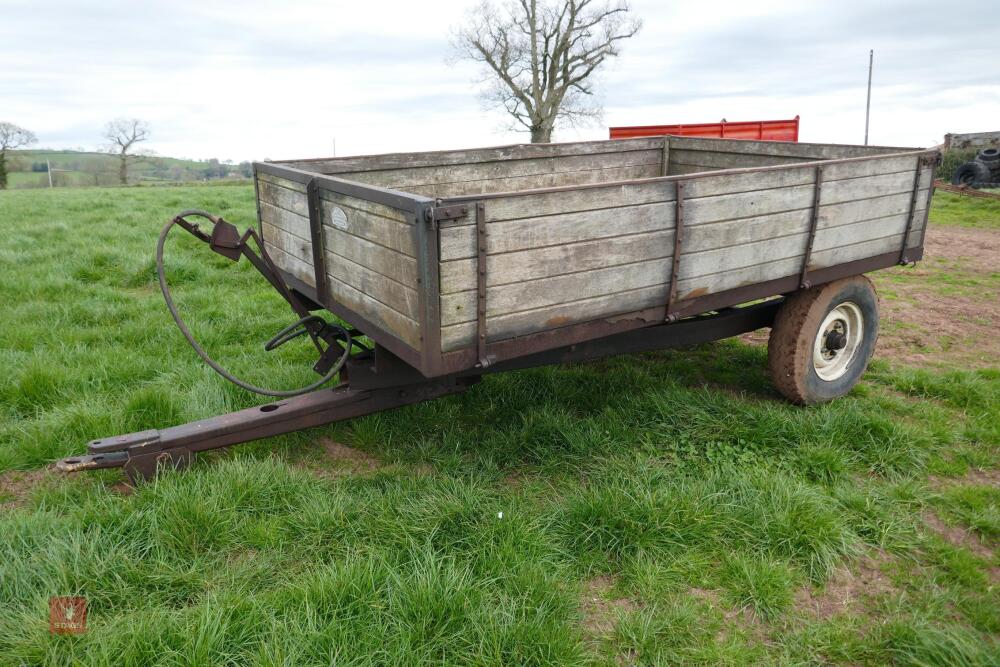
559 258
690 155
369 252
506 169
396 161
284 218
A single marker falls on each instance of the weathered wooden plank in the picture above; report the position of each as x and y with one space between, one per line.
391 234
531 205
388 319
841 254
675 169
401 298
694 286
507 299
771 254
576 258
461 335
845 213
482 171
729 160
514 235
285 219
291 264
369 207
282 197
458 336
537 181
384 302
804 150
388 262
452 157
291 244
282 182
844 235
762 202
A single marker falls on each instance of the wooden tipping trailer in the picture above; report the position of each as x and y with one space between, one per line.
581 240
460 263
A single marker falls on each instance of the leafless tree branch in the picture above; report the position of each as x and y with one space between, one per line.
539 55
123 135
12 137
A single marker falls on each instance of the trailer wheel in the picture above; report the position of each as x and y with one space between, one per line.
822 340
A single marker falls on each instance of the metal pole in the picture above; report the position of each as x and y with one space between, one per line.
48 170
868 102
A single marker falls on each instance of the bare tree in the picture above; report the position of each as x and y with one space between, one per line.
539 55
11 137
123 134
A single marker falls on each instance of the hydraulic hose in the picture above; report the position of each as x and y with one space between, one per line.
165 289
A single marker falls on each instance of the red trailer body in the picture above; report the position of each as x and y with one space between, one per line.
767 130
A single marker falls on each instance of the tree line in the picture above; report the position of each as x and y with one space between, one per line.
538 60
123 137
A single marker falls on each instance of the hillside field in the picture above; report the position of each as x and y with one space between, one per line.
654 509
27 169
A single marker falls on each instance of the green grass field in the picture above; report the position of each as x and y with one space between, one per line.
656 509
88 169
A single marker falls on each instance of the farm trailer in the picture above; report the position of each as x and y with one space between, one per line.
446 266
766 130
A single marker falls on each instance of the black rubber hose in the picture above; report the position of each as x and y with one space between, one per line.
198 348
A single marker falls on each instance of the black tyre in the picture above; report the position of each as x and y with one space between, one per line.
822 340
970 173
989 155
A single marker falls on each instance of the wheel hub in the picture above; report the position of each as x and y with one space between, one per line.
837 341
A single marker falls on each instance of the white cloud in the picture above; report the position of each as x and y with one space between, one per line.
246 80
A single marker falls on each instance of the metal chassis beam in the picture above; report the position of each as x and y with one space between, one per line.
381 381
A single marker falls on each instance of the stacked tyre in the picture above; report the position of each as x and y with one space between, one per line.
984 170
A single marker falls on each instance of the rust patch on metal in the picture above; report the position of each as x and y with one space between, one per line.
559 321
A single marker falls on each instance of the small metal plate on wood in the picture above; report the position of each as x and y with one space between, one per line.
338 217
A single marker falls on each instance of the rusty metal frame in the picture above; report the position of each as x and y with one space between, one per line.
380 381
481 285
429 289
813 224
675 260
318 241
923 162
911 212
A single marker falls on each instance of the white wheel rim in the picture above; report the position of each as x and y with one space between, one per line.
837 341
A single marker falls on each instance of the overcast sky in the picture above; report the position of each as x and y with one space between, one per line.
253 80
